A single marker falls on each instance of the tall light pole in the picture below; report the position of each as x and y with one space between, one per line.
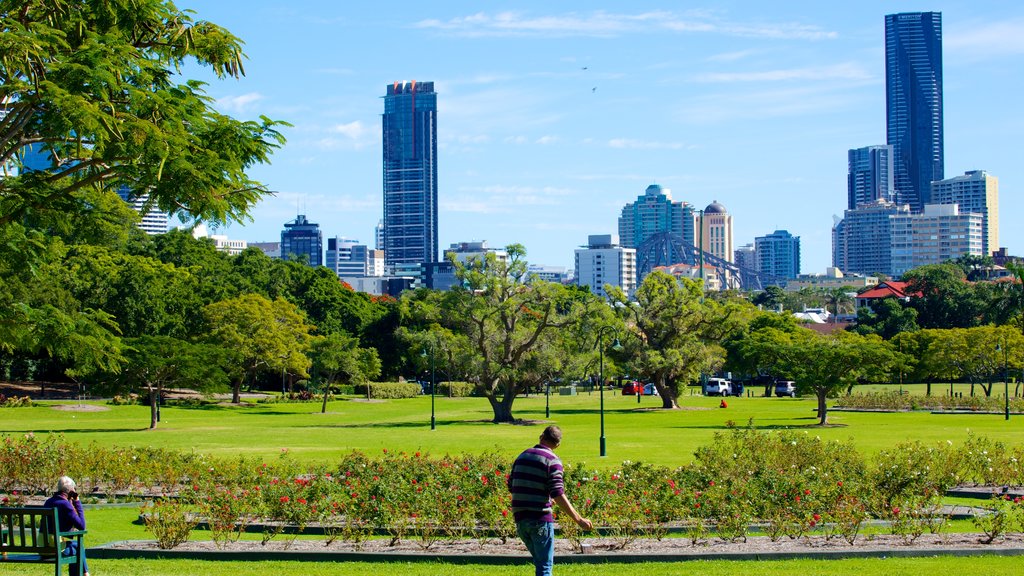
600 347
547 399
433 421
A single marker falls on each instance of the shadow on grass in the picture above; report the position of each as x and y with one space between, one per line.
77 430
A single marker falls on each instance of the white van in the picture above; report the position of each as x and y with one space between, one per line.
717 387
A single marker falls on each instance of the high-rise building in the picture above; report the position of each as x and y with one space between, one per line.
347 257
778 255
913 98
153 220
940 233
302 240
862 240
378 235
464 251
975 191
604 261
655 213
410 173
745 257
716 232
220 241
870 176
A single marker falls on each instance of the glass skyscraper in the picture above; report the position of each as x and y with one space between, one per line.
913 100
302 240
410 173
870 177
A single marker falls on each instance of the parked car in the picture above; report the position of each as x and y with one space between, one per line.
650 389
717 387
632 388
736 388
785 388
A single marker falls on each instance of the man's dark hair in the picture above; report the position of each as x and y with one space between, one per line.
552 434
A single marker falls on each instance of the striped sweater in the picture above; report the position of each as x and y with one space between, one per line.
535 479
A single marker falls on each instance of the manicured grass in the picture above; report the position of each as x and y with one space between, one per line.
636 432
971 566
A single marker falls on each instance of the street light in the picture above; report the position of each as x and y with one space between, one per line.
616 346
433 422
1006 383
547 400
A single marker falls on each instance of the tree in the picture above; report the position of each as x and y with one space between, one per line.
338 357
260 334
826 364
93 85
157 363
977 353
676 332
886 317
770 298
944 298
506 321
752 350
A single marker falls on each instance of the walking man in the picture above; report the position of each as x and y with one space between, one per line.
535 482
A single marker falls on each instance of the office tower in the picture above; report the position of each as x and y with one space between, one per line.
913 102
410 173
778 255
556 274
745 257
346 257
862 240
870 175
941 232
153 220
975 191
655 213
464 251
716 232
302 240
271 249
604 261
378 235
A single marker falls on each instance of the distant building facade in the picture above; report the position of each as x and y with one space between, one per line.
556 274
942 232
220 241
271 249
347 257
604 261
745 257
716 231
655 213
153 220
862 240
410 173
303 240
778 255
870 175
913 103
975 191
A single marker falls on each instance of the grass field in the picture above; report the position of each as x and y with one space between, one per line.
636 432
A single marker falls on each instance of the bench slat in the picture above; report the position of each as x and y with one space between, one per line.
26 537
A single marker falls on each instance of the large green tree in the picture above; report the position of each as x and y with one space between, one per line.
260 334
337 357
676 333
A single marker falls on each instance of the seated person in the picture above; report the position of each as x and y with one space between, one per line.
69 517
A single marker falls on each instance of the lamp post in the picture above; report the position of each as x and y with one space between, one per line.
616 346
547 399
433 421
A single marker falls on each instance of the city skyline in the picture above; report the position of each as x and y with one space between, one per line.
550 120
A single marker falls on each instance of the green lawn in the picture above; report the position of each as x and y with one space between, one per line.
636 432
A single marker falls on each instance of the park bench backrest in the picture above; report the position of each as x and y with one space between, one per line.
30 529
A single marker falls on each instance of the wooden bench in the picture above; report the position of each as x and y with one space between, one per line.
31 535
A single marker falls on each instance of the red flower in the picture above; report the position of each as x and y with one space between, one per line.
797 498
816 517
895 511
301 500
807 492
712 483
417 454
285 499
840 483
504 513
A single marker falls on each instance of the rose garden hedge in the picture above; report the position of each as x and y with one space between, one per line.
787 483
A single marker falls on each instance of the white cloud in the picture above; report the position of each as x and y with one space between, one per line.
545 140
609 24
238 104
846 71
982 40
501 199
353 130
631 144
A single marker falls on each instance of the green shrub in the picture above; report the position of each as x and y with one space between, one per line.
169 522
390 390
455 389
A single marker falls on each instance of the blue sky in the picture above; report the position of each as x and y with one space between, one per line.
553 115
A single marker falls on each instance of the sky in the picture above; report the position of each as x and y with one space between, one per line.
553 115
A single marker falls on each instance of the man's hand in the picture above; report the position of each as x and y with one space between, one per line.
585 524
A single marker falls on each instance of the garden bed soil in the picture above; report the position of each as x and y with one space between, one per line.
609 547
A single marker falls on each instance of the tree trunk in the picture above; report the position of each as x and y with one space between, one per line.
928 388
822 408
153 399
502 408
669 396
236 391
327 390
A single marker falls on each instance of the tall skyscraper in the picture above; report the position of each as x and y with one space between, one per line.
778 255
410 173
716 232
913 102
870 177
655 213
941 232
976 191
153 220
302 239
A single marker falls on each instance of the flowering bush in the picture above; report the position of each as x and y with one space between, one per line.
169 521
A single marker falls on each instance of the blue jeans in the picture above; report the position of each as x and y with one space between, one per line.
539 538
71 549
